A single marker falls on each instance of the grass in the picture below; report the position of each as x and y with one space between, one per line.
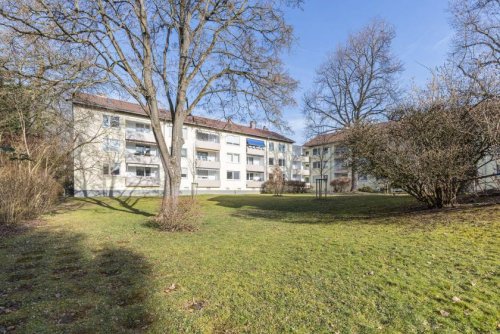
258 264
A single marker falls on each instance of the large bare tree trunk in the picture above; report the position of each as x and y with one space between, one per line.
354 178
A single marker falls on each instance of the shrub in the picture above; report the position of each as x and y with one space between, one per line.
290 187
25 194
341 184
295 187
185 216
366 189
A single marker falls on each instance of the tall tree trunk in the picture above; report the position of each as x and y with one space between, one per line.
354 173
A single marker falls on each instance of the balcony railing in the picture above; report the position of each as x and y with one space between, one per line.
142 181
142 159
208 164
255 151
147 137
254 184
305 158
204 183
256 168
305 172
208 145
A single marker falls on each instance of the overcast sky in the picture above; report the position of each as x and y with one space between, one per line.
423 34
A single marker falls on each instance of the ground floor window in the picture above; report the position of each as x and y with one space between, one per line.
111 169
142 171
207 174
233 175
253 176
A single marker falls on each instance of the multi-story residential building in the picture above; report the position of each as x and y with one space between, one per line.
121 157
327 161
300 165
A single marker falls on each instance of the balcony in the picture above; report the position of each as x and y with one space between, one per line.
256 168
144 181
146 137
305 158
208 145
306 172
203 183
207 164
254 184
142 159
255 151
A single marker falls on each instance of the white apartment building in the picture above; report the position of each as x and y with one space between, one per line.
121 157
327 161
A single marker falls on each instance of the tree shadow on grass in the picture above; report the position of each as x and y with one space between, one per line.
368 209
50 283
127 204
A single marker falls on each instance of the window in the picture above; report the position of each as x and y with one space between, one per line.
105 169
362 177
271 146
271 161
316 151
205 136
143 171
233 140
233 175
325 150
207 174
142 150
254 176
256 161
111 145
282 148
306 179
184 173
339 163
306 153
141 127
207 156
115 170
317 164
281 162
110 121
233 157
202 156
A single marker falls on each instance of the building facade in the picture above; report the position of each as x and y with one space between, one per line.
326 160
120 156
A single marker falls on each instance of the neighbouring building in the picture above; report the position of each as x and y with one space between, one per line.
121 158
327 161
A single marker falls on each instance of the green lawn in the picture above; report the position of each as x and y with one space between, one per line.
258 264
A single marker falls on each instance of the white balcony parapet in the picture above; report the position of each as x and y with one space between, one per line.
256 168
208 145
207 164
203 183
142 181
255 151
142 159
254 184
147 137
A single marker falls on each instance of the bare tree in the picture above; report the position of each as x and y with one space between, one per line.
476 44
357 82
476 53
217 54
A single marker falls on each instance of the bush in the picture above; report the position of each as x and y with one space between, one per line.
366 189
185 216
25 194
290 187
341 184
